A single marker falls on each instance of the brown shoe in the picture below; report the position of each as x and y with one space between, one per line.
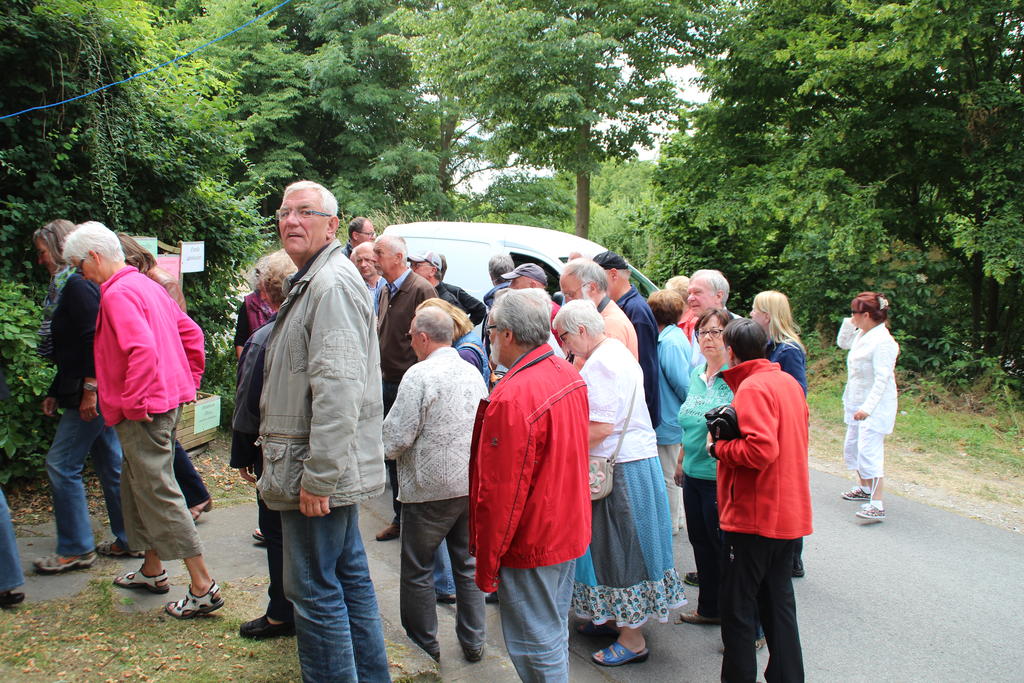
390 532
694 618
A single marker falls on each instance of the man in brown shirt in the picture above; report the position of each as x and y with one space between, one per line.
403 292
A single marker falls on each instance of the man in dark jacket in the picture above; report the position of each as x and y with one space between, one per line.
639 313
764 503
431 266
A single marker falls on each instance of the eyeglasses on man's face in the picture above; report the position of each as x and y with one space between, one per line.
303 214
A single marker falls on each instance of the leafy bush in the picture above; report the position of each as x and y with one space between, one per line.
25 433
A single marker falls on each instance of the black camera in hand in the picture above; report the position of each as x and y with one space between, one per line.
722 423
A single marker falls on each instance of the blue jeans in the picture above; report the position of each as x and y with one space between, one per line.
444 582
326 577
535 620
10 565
76 438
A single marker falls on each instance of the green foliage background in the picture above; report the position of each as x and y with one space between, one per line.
845 145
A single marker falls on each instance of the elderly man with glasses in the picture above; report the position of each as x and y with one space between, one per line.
360 231
320 427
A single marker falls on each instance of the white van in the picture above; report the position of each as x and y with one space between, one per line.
469 246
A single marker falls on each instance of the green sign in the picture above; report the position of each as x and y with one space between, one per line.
207 415
147 243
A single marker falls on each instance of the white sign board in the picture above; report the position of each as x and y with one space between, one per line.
193 256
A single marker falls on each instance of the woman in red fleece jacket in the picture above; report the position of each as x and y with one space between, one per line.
764 504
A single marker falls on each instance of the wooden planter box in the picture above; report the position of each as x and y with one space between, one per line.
208 406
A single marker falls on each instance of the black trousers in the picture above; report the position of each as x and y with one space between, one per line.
757 580
390 393
700 504
279 608
191 484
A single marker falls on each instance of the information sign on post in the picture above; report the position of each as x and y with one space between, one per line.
193 256
207 415
147 243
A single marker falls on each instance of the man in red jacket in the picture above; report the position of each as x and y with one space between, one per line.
764 503
529 516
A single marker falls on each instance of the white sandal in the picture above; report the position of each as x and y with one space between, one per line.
137 579
193 605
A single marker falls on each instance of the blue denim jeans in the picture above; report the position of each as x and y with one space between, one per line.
444 581
327 579
535 620
74 440
10 565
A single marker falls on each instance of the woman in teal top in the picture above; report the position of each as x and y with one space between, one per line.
695 469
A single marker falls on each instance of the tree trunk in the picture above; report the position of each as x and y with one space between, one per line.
582 203
582 182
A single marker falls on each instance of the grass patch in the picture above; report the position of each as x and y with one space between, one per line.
92 638
977 433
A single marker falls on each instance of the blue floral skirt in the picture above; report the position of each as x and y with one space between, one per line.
628 573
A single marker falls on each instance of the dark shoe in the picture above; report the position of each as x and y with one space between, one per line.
473 654
261 629
694 618
11 598
492 598
798 568
593 630
390 532
690 579
446 599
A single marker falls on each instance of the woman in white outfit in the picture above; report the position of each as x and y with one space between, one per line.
869 400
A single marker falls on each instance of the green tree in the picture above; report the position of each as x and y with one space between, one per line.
152 156
555 84
865 144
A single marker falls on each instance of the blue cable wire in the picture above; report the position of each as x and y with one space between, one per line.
148 71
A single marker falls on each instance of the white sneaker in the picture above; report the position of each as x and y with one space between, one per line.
870 512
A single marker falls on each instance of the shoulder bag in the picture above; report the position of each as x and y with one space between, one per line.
601 469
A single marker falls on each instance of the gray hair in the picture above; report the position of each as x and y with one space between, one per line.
588 272
52 235
328 203
579 313
498 266
393 243
526 313
92 236
272 273
715 279
435 323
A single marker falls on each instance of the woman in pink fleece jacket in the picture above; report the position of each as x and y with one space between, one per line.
149 360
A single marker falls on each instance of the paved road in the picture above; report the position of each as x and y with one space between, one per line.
925 596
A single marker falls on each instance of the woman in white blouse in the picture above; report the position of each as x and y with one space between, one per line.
869 400
628 573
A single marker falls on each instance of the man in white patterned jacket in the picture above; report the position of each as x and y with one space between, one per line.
428 432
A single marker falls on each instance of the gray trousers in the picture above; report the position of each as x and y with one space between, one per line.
424 525
155 514
535 620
